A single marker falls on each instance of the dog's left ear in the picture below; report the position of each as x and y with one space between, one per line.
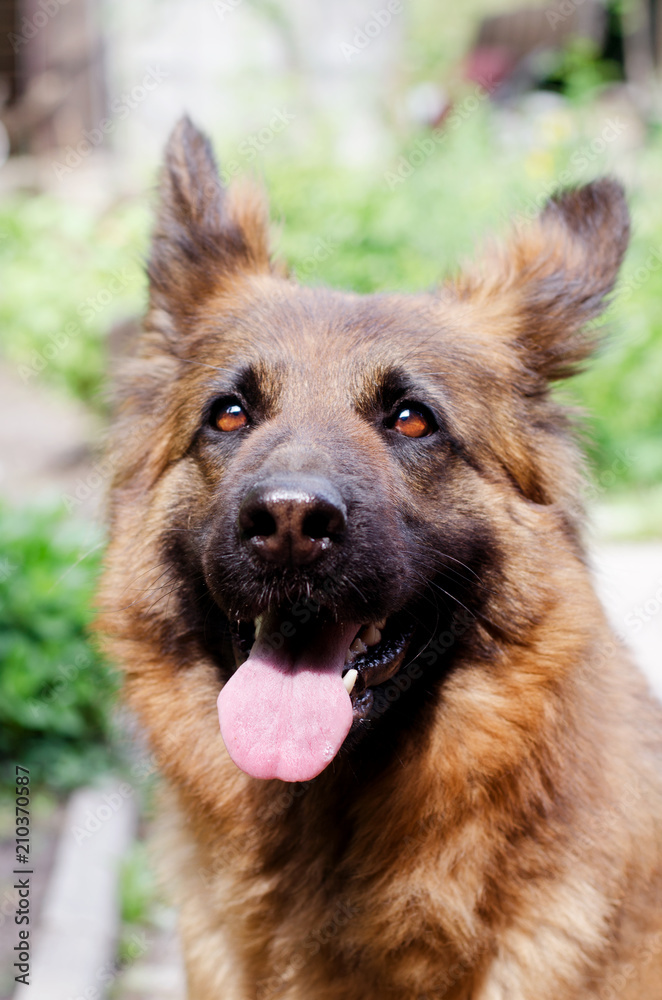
204 234
552 277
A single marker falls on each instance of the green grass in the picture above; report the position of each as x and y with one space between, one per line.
67 276
137 886
56 693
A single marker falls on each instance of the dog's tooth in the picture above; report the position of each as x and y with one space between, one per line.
358 646
349 680
371 635
380 624
349 657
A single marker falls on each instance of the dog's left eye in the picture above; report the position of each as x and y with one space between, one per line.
230 416
414 423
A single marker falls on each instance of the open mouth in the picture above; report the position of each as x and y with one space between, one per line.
300 685
374 656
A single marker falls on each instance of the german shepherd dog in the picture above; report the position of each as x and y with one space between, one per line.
354 522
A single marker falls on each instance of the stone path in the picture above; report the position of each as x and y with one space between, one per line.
76 938
158 972
629 581
46 444
47 823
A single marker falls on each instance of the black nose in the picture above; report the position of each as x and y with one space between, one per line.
292 519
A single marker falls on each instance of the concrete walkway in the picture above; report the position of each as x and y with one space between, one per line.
45 444
629 580
76 940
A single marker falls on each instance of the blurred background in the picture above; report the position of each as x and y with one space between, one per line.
391 136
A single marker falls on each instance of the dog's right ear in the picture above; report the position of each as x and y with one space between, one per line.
542 287
204 235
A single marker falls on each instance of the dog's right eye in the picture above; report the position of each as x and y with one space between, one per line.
229 416
413 421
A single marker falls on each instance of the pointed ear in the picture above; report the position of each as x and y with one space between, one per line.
553 276
203 235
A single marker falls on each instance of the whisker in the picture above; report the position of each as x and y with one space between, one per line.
77 563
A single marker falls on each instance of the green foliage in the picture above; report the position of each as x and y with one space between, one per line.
140 908
67 275
620 390
378 231
137 886
579 72
56 693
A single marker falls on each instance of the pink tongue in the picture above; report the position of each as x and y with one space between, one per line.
285 713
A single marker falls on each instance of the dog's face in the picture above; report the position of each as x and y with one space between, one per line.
329 483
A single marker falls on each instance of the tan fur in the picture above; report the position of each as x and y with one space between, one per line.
509 846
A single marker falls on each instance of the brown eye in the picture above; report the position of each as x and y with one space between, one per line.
231 417
413 423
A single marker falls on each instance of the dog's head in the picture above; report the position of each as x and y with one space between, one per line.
333 500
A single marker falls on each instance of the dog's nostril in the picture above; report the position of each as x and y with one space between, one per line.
259 522
317 524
